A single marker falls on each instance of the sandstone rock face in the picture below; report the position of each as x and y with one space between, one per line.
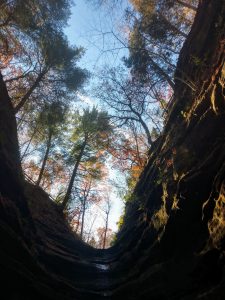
172 243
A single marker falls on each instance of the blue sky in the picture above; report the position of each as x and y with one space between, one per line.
91 29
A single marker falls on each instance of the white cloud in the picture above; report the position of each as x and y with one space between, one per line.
86 99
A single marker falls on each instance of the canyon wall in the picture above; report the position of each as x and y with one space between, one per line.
172 242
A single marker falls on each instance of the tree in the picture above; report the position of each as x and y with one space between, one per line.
106 209
87 196
128 149
129 155
90 137
158 29
92 242
41 55
42 135
110 4
21 19
61 76
50 121
191 4
130 102
101 237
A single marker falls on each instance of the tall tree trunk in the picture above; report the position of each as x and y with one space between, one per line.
74 174
106 229
90 230
173 27
185 4
162 73
21 120
45 159
82 220
78 222
28 145
145 127
30 91
143 124
85 197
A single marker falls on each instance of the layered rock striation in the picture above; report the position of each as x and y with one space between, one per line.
172 242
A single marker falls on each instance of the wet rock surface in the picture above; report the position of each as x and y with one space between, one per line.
172 243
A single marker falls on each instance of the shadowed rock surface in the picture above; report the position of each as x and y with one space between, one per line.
172 243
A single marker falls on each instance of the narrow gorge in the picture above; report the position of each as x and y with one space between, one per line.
172 242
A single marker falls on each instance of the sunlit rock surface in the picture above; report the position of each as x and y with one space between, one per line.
172 243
